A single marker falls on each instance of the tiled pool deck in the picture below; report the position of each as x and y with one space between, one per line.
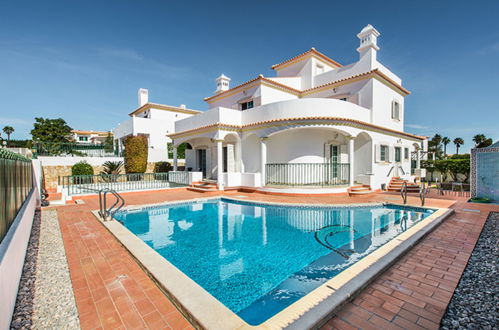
113 292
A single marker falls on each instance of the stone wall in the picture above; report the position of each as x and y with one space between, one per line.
51 173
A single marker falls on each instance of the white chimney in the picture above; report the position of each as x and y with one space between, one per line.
143 96
368 38
222 83
183 106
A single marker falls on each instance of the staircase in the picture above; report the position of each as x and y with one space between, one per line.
204 186
361 190
396 185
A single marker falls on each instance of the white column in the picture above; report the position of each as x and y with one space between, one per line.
418 159
238 157
351 152
220 164
175 160
263 158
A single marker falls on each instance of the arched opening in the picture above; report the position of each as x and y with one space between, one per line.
231 153
363 155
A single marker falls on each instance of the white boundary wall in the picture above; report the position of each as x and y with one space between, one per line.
12 254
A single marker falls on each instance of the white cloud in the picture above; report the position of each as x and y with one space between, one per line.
416 126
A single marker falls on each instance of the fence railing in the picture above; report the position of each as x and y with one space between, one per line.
74 149
307 174
16 182
86 184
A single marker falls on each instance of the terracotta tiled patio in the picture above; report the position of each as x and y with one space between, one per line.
112 291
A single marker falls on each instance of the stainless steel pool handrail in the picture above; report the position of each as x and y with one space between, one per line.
403 192
422 192
104 211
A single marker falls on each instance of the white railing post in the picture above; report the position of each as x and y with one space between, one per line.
351 157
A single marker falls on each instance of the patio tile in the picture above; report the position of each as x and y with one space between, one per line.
413 293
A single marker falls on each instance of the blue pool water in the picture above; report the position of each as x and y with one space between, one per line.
257 259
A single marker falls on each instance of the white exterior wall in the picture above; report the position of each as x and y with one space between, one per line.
382 107
155 126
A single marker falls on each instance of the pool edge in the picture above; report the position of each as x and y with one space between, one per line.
204 310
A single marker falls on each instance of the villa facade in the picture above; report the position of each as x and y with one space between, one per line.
317 123
154 121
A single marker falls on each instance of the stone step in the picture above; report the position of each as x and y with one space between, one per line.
200 189
359 188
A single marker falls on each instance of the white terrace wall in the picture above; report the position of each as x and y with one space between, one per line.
13 251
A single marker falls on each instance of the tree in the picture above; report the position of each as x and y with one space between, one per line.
8 130
435 145
51 130
458 142
445 142
481 141
108 142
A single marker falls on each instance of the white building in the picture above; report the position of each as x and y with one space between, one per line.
89 137
154 121
316 123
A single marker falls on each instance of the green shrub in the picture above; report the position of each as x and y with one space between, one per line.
136 154
463 156
162 167
82 168
448 166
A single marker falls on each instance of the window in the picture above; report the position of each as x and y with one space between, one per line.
395 110
383 153
398 154
247 105
83 138
406 153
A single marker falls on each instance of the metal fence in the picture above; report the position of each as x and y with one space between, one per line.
16 182
87 184
307 174
74 149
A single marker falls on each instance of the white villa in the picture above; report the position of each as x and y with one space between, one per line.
89 137
154 121
316 124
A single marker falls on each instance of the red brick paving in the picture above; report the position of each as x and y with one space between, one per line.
113 292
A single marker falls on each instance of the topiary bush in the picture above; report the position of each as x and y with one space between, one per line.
82 168
136 154
162 167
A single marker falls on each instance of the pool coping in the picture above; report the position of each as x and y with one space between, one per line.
205 311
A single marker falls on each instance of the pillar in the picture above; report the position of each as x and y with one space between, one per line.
238 157
175 160
263 158
220 164
351 152
418 159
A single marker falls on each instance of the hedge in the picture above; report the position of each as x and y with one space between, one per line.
449 166
82 168
136 154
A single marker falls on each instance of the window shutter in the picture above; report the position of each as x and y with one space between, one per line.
377 153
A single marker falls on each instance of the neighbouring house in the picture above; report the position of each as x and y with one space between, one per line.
154 121
316 124
89 137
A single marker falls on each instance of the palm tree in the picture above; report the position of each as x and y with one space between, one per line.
458 142
445 142
481 141
8 130
479 138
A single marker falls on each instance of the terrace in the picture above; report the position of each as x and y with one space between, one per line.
102 285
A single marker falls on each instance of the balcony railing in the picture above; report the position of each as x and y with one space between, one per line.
88 184
74 150
307 174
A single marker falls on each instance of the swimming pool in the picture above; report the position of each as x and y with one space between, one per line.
257 258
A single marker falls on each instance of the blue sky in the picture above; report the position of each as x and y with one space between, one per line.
84 60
